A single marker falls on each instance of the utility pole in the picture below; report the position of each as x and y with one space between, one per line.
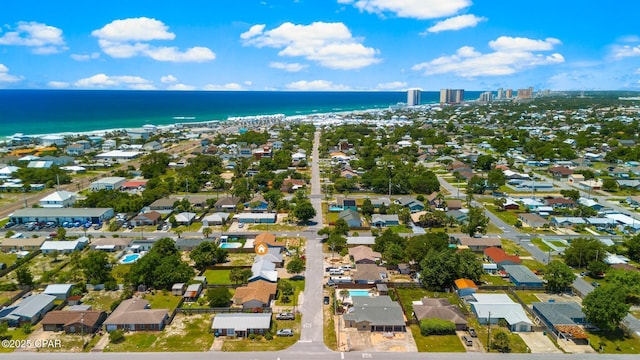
489 332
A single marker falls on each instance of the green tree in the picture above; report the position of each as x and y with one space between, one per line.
207 253
286 290
235 275
341 227
582 251
161 267
597 268
367 207
559 276
393 253
499 203
206 231
633 247
219 297
96 267
609 185
304 211
476 222
476 185
501 341
485 162
418 246
439 269
388 236
469 267
23 275
571 194
606 306
495 178
295 265
61 233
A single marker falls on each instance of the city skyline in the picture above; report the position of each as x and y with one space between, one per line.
336 45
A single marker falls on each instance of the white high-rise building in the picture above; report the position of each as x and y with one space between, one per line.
500 94
413 97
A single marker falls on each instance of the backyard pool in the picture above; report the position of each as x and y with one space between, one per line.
232 245
130 258
353 293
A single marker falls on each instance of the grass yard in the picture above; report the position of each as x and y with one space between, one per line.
7 295
329 333
511 247
192 327
120 271
218 276
261 344
509 216
239 259
540 244
615 342
276 227
408 295
495 280
101 300
135 341
527 296
436 343
516 343
13 334
400 229
533 264
298 286
162 300
493 229
8 259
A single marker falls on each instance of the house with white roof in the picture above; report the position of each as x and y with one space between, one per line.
60 291
63 247
28 311
58 199
491 308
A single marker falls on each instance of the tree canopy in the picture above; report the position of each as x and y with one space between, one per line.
558 275
606 306
161 267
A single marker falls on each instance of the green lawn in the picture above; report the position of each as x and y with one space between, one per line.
101 300
13 334
298 286
494 280
436 343
527 296
218 276
135 341
511 247
533 264
516 343
509 216
329 333
195 328
408 295
276 227
615 342
162 300
261 344
400 229
8 259
540 244
120 272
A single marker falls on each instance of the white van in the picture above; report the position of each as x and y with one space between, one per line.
336 272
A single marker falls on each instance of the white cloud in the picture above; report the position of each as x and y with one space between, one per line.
168 79
183 87
630 39
392 85
416 9
5 77
315 85
510 56
229 86
623 51
58 84
329 44
637 72
508 43
247 82
456 23
290 67
105 81
129 37
85 57
43 38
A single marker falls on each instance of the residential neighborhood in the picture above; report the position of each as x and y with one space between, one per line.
476 228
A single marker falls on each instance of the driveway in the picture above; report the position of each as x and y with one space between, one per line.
539 343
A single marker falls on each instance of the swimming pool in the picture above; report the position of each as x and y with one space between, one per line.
232 245
130 258
353 293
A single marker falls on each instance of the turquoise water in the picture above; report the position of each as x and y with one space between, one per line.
353 293
129 259
230 245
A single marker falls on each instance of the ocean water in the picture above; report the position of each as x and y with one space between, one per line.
60 111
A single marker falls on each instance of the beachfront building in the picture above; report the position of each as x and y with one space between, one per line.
108 183
52 140
62 215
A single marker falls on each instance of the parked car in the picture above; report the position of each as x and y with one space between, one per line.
472 332
595 284
285 316
467 341
336 272
325 300
285 332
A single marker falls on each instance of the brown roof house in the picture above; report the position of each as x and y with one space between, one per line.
148 218
370 274
269 239
439 309
256 294
477 244
73 322
364 255
136 315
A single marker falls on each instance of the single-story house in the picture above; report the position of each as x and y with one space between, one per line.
520 275
476 244
378 313
370 274
560 202
135 315
364 255
241 324
592 184
378 220
500 257
257 204
413 204
255 294
74 322
560 171
109 244
60 291
565 222
227 204
491 308
185 218
533 220
291 185
217 218
256 218
107 183
162 205
269 239
345 203
440 308
352 218
454 204
23 244
63 247
361 240
148 218
28 311
565 319
465 287
590 203
575 178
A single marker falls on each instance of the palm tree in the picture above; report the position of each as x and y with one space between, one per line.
206 231
344 294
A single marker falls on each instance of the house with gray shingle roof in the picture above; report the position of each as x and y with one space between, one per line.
377 313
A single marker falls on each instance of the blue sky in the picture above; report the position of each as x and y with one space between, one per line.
319 44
